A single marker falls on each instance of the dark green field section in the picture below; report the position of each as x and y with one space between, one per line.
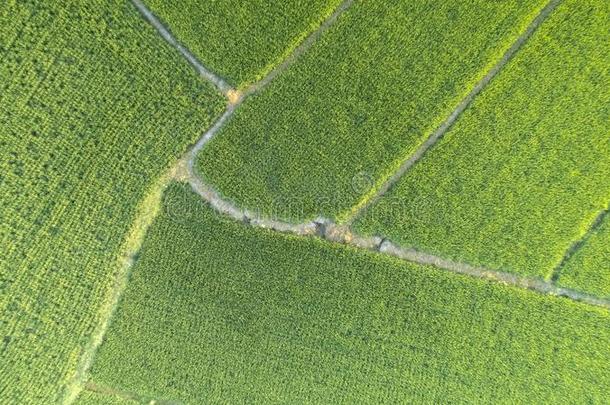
368 92
588 269
524 171
217 312
240 40
93 108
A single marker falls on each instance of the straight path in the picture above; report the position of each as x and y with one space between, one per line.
578 244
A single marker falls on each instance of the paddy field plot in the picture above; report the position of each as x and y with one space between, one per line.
369 91
240 40
94 107
524 171
216 311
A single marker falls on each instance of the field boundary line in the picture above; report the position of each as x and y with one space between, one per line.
386 185
225 88
576 245
146 212
126 395
342 234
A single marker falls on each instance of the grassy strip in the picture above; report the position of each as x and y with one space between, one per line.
242 40
363 98
219 312
147 211
523 172
588 269
93 108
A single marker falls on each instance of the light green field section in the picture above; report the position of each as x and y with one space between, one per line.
589 268
93 398
242 40
94 107
217 312
524 171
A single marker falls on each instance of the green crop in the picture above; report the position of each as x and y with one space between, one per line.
93 398
86 126
242 40
589 268
524 171
218 312
346 114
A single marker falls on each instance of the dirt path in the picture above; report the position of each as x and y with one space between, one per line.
322 228
207 74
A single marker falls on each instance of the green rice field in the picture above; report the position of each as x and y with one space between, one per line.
340 202
534 178
588 269
242 40
87 128
361 99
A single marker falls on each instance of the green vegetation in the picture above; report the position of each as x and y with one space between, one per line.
368 92
242 40
94 107
93 398
589 268
524 171
218 312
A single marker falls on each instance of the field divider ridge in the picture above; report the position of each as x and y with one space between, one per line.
387 184
576 245
236 98
342 234
127 395
225 88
